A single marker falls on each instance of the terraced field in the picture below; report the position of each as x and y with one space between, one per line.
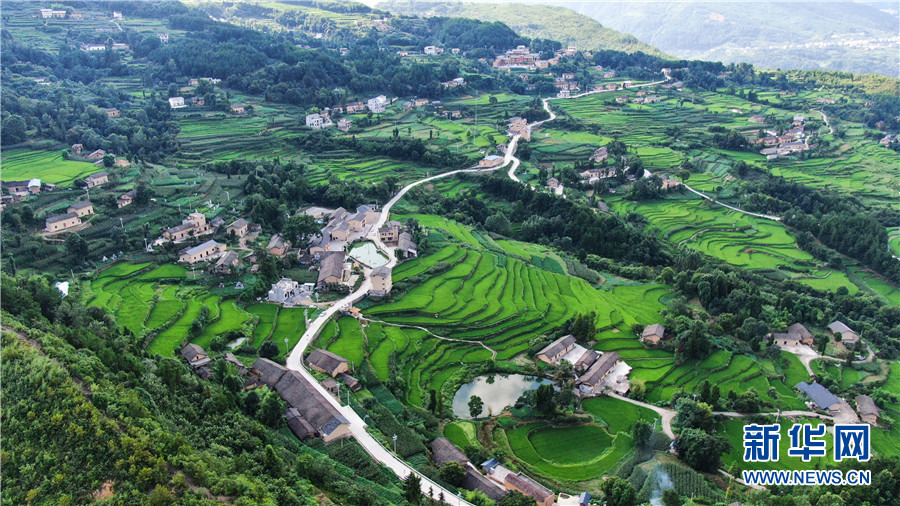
48 166
154 301
577 453
736 238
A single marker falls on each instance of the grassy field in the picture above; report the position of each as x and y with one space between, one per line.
618 415
461 433
48 166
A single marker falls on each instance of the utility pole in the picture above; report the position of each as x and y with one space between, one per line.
395 443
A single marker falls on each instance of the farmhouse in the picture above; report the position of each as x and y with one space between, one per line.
653 334
266 372
406 246
176 102
806 336
331 268
344 124
521 57
476 481
238 108
381 281
96 155
377 104
194 224
587 359
277 246
314 414
820 396
554 351
516 125
93 47
600 154
81 208
491 161
195 355
848 337
669 183
443 451
868 411
239 227
201 252
354 107
327 362
98 178
553 183
227 262
315 121
59 222
757 118
390 232
591 382
126 199
284 290
112 112
433 50
350 382
518 481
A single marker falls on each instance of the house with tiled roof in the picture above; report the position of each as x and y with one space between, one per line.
554 351
327 362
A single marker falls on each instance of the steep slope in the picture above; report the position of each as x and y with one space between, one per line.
826 35
536 21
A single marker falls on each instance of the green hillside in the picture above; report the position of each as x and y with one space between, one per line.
536 21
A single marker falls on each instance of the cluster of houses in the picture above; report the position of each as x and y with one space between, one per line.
518 126
322 119
18 190
193 225
788 143
522 57
596 371
822 399
797 335
115 46
70 219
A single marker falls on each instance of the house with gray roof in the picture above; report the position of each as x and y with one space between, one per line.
195 355
848 336
267 372
312 406
556 350
820 396
653 334
327 362
868 411
591 382
443 451
406 246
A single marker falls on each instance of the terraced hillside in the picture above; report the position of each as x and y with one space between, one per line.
464 304
156 303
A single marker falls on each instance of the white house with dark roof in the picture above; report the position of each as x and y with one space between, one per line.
60 222
592 381
201 252
81 208
556 350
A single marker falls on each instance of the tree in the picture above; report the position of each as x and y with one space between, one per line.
618 492
641 432
515 498
298 227
498 223
77 248
700 450
475 406
671 498
693 415
492 100
453 473
412 488
543 399
108 160
14 129
271 409
268 349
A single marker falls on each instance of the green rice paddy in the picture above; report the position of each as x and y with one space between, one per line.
48 166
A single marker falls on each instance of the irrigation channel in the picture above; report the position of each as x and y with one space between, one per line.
376 449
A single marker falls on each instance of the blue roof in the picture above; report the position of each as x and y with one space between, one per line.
819 394
489 464
584 498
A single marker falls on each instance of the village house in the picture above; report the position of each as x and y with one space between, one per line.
16 186
239 227
331 269
670 183
93 47
757 118
200 252
433 50
519 482
195 224
81 208
310 412
553 183
77 149
227 263
176 102
96 179
96 155
354 108
381 281
622 100
163 37
266 372
564 94
806 336
785 339
444 451
556 350
517 124
50 13
520 57
848 337
377 104
453 83
868 411
238 108
600 154
277 246
231 359
198 101
390 232
60 222
490 161
126 199
591 382
653 334
420 102
315 121
195 355
34 186
406 247
327 362
820 396
283 291
344 124
112 112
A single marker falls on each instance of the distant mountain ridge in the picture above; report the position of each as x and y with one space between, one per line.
534 21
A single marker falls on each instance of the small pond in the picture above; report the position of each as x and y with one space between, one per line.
496 391
367 253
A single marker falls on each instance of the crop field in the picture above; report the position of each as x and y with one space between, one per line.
154 301
731 373
461 433
894 239
347 165
736 238
734 431
486 303
48 166
618 415
560 453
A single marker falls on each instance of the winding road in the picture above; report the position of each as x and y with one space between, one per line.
375 448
